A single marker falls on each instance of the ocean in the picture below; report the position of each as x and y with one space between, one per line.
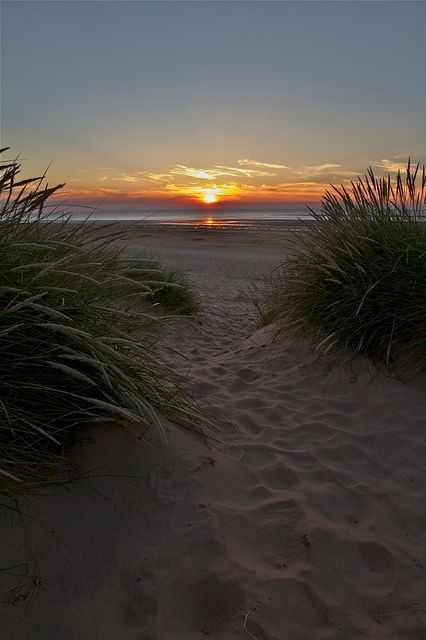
209 218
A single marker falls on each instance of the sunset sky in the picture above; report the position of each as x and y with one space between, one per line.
166 105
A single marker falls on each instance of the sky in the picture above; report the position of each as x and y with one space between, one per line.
174 105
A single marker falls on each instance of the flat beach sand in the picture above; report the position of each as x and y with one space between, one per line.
307 522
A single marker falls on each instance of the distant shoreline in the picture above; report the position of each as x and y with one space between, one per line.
207 224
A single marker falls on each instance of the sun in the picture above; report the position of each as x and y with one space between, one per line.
209 197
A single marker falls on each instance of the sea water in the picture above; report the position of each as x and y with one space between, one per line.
207 218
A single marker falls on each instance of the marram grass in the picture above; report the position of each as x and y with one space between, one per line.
167 288
358 278
70 352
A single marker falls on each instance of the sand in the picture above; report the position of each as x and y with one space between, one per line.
307 523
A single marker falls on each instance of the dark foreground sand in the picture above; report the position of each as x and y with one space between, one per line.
309 523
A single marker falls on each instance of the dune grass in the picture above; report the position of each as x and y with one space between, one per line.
168 288
358 278
69 352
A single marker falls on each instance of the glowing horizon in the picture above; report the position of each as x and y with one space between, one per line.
143 189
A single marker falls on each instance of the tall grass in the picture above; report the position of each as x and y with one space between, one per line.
69 352
358 278
167 287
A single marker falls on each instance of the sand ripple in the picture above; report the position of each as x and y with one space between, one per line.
307 523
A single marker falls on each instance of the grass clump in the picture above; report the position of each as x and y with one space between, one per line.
69 352
359 275
168 288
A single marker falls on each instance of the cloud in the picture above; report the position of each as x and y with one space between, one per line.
155 177
390 165
136 177
248 173
88 193
127 178
202 174
268 165
121 177
218 171
211 174
194 190
351 175
294 187
249 180
317 169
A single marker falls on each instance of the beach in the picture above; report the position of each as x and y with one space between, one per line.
305 520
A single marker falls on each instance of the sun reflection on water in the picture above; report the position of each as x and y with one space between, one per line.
210 222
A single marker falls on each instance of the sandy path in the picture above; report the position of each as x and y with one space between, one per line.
309 522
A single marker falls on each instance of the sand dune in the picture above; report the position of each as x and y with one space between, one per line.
307 521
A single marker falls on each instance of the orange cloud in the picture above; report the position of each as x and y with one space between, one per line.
226 191
391 166
248 173
255 163
217 171
317 169
246 183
